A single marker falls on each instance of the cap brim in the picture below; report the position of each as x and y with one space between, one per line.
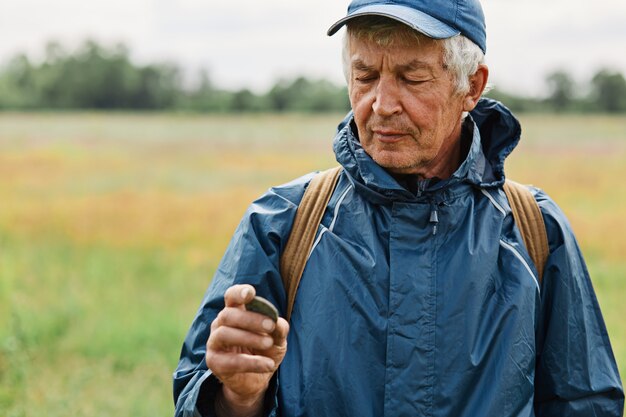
415 19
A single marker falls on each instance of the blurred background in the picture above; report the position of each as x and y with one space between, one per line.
134 134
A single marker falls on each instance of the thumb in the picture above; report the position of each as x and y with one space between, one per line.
238 295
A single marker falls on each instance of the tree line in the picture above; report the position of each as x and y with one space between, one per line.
605 92
100 77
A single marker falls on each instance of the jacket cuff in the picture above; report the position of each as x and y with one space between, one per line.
201 400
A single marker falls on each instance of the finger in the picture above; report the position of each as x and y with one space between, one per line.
281 332
225 363
238 295
246 320
224 338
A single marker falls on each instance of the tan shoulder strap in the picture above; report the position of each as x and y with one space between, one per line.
300 242
529 220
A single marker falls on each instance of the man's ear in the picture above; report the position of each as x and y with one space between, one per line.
478 82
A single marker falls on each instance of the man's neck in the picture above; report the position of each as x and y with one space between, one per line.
443 169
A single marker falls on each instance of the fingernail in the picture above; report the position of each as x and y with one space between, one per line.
245 292
267 342
268 325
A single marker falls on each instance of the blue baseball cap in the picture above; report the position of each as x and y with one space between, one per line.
437 19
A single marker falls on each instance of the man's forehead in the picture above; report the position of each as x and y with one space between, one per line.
413 55
408 64
401 37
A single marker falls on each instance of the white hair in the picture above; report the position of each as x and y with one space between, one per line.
461 56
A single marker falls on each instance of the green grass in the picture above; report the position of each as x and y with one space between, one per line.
111 226
86 335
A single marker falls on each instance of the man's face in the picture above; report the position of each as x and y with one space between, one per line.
405 106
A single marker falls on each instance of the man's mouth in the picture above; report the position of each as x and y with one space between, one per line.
388 135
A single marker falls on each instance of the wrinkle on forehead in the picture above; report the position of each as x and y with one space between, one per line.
414 66
404 56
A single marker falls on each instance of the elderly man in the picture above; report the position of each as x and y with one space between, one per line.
419 297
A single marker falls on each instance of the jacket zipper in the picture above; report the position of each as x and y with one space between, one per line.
434 217
434 211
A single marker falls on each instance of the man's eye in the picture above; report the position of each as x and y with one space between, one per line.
366 79
410 81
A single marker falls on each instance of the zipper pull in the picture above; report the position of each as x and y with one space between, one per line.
421 186
434 217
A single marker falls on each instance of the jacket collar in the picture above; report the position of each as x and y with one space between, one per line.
495 133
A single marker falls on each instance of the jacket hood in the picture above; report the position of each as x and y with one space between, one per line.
496 132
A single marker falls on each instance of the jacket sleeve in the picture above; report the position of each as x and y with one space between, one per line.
576 373
252 258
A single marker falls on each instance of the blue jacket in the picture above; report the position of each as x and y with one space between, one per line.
419 304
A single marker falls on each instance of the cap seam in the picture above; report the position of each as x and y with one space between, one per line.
382 2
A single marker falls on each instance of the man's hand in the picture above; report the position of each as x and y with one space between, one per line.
243 352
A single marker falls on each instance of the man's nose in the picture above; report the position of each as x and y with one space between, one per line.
387 100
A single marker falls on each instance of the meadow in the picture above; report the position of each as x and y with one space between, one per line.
111 226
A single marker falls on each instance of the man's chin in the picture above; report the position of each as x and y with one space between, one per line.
397 167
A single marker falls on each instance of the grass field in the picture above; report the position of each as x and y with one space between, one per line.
112 224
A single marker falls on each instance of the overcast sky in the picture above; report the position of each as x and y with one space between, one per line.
251 43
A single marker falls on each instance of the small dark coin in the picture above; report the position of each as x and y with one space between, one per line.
262 306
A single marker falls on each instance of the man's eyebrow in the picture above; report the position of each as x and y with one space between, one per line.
416 64
359 65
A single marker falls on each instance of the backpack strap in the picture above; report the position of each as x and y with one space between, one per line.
529 220
307 220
